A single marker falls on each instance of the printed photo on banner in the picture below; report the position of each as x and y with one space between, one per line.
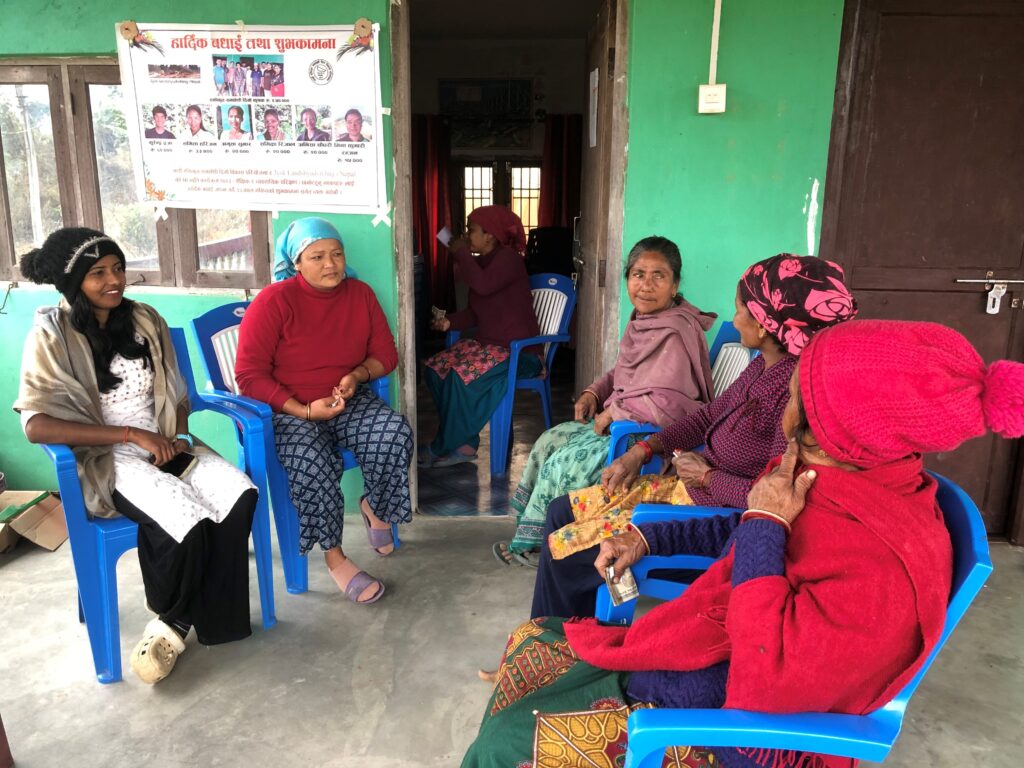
310 119
274 123
197 118
282 118
353 127
160 118
235 124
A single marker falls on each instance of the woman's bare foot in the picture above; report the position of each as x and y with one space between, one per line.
378 524
488 676
342 570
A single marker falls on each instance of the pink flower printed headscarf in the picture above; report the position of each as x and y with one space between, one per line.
794 297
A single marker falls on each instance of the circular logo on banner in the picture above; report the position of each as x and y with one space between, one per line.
321 71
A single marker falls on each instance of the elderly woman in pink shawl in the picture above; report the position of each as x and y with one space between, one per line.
662 374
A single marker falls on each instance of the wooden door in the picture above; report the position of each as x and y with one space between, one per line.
926 187
599 229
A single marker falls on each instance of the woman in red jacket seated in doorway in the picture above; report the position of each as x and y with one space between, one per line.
468 380
307 346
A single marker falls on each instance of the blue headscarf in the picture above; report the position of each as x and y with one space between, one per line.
295 239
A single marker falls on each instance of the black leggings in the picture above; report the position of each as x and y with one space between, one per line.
204 580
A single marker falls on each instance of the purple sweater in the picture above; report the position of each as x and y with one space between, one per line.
741 430
760 551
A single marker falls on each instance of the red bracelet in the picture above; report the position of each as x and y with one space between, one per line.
126 435
648 451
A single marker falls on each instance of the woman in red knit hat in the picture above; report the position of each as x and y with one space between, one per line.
830 590
468 380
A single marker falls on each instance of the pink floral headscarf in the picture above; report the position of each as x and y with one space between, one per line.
794 297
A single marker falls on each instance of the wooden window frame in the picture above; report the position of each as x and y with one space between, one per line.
78 183
502 174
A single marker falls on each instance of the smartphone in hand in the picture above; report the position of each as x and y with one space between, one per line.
180 465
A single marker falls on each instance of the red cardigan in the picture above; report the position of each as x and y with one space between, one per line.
861 603
296 341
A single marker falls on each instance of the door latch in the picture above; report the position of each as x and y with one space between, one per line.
995 297
996 288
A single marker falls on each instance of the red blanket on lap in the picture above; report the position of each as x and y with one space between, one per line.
862 602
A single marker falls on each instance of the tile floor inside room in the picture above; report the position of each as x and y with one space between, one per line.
394 685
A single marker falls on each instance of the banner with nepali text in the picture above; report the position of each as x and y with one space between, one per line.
255 118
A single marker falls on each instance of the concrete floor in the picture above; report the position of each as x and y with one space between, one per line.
393 685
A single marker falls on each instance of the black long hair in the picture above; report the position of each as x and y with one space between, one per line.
117 337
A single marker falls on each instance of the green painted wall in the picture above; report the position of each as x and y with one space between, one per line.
732 188
80 27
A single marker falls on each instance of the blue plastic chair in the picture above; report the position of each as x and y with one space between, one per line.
725 369
554 299
216 334
98 543
864 737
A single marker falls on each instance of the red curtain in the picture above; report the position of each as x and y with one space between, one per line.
560 170
431 205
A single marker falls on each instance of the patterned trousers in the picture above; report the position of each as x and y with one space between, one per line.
382 443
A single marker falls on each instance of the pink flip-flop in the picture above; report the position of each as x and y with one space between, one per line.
378 537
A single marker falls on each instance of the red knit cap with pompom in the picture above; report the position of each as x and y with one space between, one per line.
877 390
1003 399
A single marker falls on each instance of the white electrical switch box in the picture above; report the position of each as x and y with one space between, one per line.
711 99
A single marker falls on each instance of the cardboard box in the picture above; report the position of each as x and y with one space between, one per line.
38 517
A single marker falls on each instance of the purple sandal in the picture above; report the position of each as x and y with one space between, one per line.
378 537
357 584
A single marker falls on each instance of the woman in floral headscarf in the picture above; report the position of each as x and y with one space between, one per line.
780 303
468 380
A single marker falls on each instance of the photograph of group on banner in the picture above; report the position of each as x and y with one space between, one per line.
258 118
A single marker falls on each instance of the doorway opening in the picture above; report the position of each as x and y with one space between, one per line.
506 111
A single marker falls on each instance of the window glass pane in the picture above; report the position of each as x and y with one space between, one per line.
225 240
29 163
125 219
478 185
526 194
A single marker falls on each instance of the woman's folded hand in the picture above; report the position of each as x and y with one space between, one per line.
346 387
602 422
691 468
620 474
586 407
163 449
620 552
326 407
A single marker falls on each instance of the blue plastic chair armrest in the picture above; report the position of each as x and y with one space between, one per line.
620 430
380 387
518 344
864 738
63 459
659 513
258 407
229 405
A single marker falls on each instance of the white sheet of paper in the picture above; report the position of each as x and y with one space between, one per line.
445 236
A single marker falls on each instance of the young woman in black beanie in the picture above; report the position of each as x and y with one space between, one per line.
99 374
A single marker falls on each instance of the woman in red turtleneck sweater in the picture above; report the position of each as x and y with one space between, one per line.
306 346
468 380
